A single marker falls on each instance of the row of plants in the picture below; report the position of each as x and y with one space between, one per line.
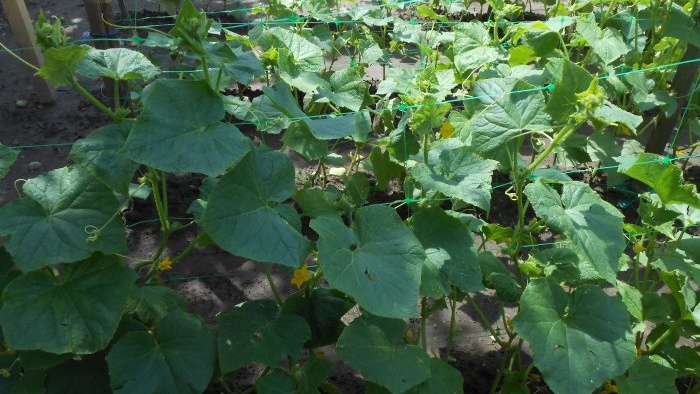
610 306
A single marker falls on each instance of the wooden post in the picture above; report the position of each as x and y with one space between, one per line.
25 37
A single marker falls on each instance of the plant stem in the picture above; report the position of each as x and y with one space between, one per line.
278 297
187 249
423 318
94 101
453 314
558 139
485 321
205 69
19 58
162 212
654 346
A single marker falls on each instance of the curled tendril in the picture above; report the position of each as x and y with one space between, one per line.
93 233
17 186
510 192
537 140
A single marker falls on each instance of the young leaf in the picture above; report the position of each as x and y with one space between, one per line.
593 226
180 130
60 64
117 63
191 27
579 340
451 256
459 174
375 347
377 261
253 227
570 79
102 153
64 210
664 177
77 312
256 331
177 357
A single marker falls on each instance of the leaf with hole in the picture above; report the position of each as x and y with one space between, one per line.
377 260
579 340
256 331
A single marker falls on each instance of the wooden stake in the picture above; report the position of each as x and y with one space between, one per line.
25 37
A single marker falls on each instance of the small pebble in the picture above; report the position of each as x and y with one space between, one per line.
21 103
34 166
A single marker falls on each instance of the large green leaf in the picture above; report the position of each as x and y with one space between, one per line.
664 177
593 226
177 356
472 47
256 331
608 44
103 154
254 224
647 376
378 260
451 256
75 312
375 347
459 174
507 108
578 340
66 217
180 130
60 64
117 63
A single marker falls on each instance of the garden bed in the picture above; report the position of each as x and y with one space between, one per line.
486 186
